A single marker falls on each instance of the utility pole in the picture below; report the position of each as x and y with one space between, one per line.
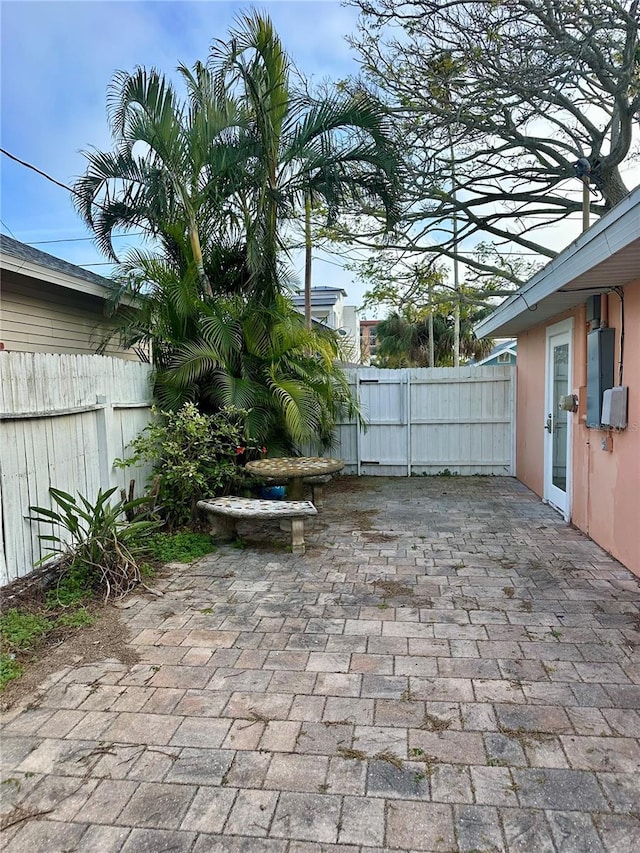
456 281
432 347
583 170
586 202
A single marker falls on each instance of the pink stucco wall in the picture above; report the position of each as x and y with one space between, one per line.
605 491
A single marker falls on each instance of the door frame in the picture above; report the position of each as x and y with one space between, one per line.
565 327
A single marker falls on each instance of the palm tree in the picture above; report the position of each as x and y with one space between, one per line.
334 150
403 341
171 170
216 180
268 364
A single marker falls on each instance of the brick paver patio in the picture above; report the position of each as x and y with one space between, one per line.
449 668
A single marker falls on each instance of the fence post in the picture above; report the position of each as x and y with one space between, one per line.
409 448
104 426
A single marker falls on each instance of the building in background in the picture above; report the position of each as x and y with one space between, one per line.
368 340
328 308
504 352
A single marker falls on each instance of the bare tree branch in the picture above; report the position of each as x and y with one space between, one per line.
517 91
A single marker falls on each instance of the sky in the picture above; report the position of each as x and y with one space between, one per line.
57 60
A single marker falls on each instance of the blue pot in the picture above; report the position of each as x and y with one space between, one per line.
273 493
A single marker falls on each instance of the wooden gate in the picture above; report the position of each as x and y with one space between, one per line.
429 421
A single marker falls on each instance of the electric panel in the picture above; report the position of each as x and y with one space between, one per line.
600 369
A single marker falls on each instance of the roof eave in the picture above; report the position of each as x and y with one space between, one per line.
59 278
584 267
42 273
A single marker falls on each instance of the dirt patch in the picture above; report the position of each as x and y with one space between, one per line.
362 518
105 638
379 537
392 588
349 483
397 594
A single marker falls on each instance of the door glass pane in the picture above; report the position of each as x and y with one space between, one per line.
560 425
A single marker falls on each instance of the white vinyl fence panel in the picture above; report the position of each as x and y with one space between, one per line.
429 421
63 421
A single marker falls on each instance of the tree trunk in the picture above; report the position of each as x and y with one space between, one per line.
432 343
194 238
456 333
610 184
307 261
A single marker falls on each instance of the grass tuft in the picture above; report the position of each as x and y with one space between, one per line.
180 547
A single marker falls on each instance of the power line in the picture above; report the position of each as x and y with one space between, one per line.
53 181
8 229
38 171
81 239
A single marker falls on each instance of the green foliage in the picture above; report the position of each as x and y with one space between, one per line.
223 171
403 342
94 542
194 456
147 570
220 180
267 363
21 630
10 669
180 547
74 585
75 619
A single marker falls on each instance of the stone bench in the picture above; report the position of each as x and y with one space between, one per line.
224 513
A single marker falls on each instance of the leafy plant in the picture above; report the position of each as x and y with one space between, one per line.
24 631
10 669
20 630
265 362
180 547
75 619
99 547
194 455
73 586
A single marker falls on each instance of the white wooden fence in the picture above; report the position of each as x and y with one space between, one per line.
430 420
63 421
65 418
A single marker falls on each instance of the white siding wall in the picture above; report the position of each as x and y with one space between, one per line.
63 421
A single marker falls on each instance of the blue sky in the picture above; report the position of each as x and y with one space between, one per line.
58 58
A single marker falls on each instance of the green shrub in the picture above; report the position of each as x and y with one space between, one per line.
100 548
194 456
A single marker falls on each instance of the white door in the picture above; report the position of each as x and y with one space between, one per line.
557 424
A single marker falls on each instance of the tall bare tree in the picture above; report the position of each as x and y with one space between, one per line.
521 90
